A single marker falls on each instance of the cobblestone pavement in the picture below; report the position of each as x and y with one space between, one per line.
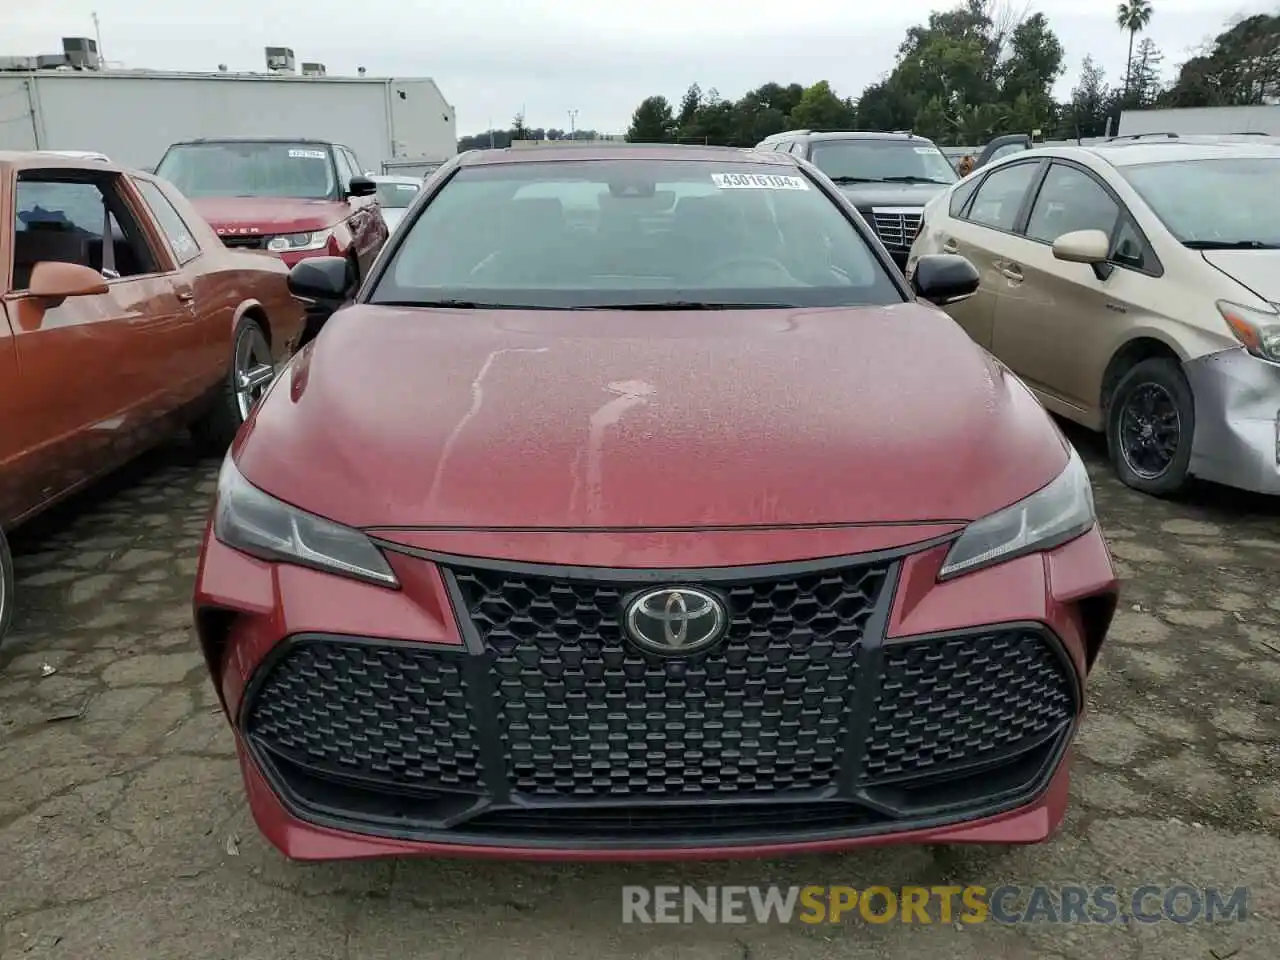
123 832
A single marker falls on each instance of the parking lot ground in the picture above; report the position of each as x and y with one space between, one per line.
123 832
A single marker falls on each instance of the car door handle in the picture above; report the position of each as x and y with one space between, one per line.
1012 272
950 246
186 296
1117 308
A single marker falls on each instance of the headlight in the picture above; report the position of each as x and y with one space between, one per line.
1258 330
258 524
293 242
1048 518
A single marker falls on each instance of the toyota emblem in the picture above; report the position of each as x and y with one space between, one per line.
675 620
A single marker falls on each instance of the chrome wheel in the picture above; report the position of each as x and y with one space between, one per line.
1150 430
252 368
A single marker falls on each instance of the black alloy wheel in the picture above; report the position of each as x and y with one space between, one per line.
1150 425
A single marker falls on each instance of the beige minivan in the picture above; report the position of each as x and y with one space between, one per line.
1133 285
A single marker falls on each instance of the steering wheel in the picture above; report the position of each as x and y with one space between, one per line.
745 260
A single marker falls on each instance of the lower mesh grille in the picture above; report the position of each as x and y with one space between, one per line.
949 704
391 714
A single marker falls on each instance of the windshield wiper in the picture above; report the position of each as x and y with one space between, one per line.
1230 245
856 180
914 180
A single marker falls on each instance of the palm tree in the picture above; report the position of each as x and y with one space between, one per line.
1134 15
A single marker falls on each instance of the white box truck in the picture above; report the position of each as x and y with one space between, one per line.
133 115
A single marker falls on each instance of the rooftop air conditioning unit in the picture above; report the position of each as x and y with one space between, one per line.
81 52
280 60
51 61
310 69
8 64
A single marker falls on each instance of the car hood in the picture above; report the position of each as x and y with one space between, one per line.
1259 270
865 195
559 419
267 215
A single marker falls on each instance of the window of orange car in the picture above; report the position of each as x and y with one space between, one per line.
181 242
63 216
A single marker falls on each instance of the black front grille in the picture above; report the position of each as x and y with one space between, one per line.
390 714
897 228
584 713
803 718
952 704
244 242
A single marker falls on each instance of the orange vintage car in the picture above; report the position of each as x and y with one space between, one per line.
108 347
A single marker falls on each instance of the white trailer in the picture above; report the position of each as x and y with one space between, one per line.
133 115
1264 119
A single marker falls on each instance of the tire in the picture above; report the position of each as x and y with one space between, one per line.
6 587
235 398
1151 422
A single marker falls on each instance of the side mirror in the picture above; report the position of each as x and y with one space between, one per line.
1082 246
361 187
326 279
53 282
943 278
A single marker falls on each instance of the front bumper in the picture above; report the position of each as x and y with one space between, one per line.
1237 432
855 701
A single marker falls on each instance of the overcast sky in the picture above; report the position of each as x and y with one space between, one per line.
491 58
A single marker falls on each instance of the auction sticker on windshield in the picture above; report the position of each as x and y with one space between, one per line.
757 181
307 154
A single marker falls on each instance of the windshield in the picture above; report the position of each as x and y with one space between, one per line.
251 169
601 233
1227 201
890 160
397 195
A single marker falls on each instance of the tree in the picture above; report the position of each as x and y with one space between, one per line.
1145 79
820 109
715 122
980 69
1132 16
1090 102
1240 68
887 105
690 104
652 122
1034 63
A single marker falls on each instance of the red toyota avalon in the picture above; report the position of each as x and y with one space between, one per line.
638 508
